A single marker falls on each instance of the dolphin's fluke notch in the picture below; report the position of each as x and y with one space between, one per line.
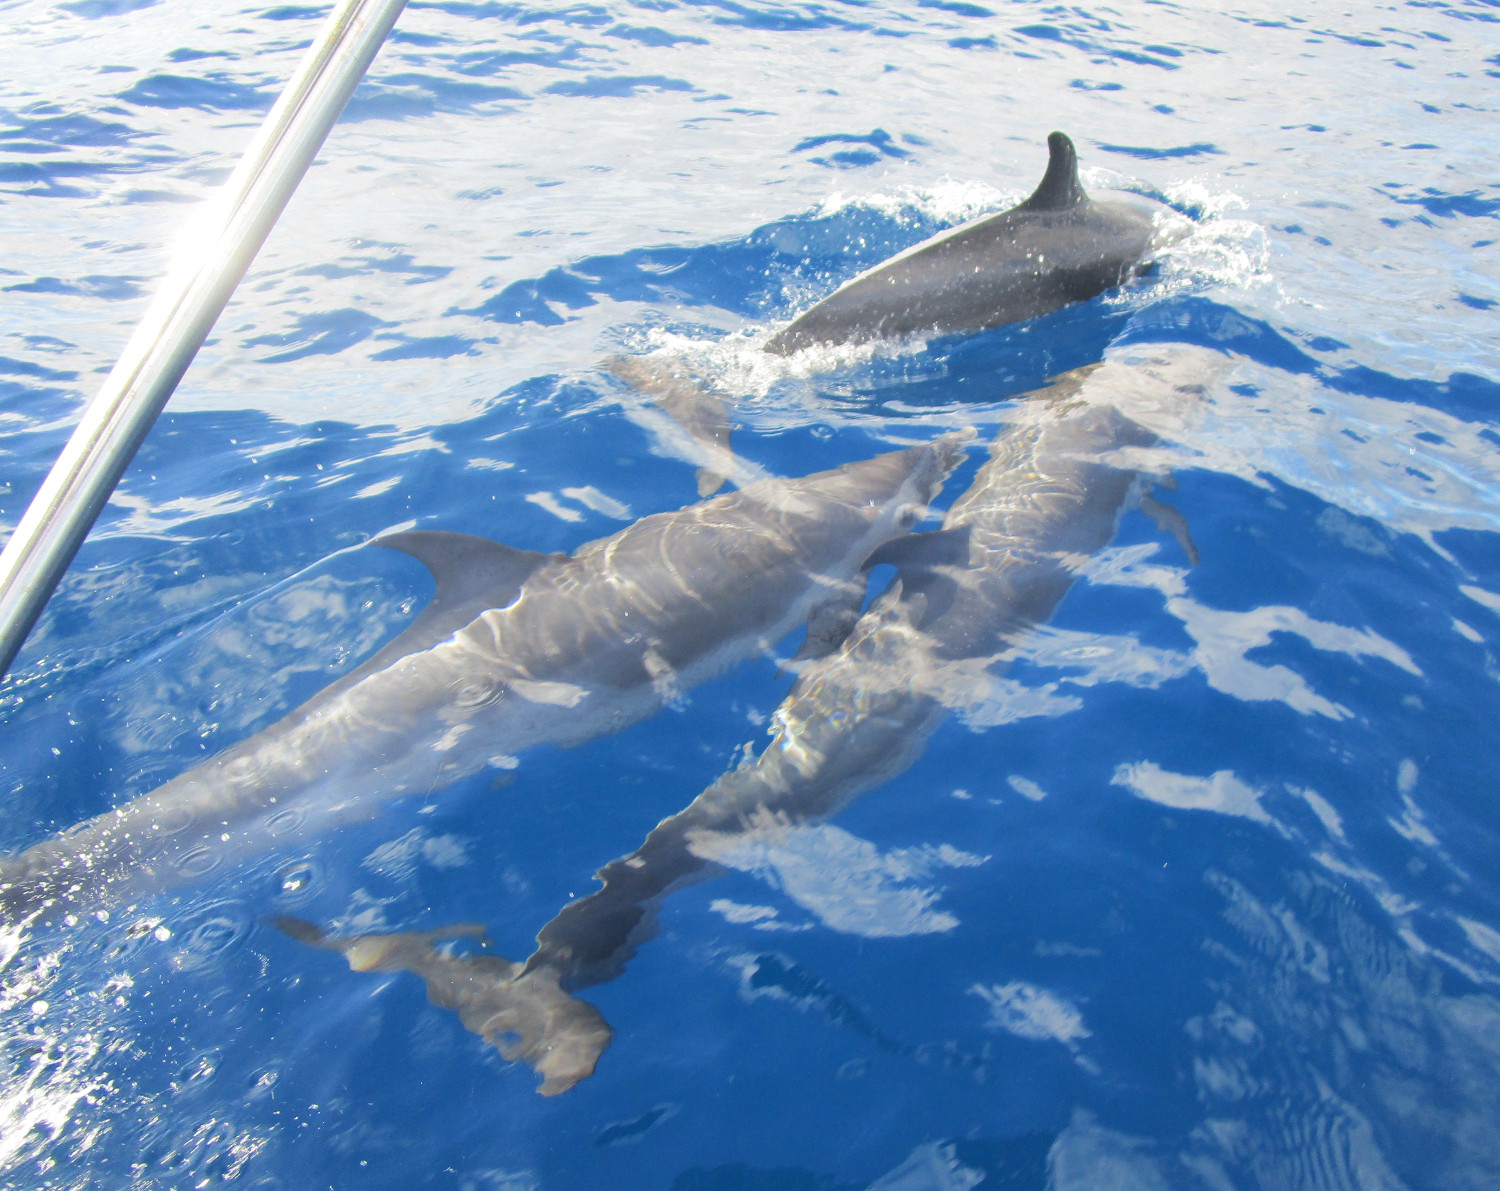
525 1015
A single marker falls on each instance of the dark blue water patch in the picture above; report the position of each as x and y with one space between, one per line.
973 43
1462 395
1477 302
780 975
1471 204
431 347
1080 40
50 125
533 301
111 289
779 19
1469 10
189 55
881 144
43 179
958 8
652 36
396 262
157 196
323 333
292 12
212 92
1152 154
492 62
741 1176
617 86
26 451
92 10
747 275
424 41
10 367
377 99
1213 324
1087 85
624 1132
983 368
578 15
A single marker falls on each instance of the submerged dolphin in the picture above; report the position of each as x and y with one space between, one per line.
517 649
1057 247
1050 495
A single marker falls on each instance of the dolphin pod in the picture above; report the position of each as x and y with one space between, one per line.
1049 496
516 649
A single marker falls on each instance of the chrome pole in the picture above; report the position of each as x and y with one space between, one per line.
180 317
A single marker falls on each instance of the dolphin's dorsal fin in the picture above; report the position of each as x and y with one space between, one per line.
472 574
466 567
1059 189
937 548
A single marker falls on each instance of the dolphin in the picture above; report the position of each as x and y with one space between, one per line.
1059 246
517 649
1049 496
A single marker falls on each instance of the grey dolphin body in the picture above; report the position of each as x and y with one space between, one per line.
517 649
1057 247
1049 496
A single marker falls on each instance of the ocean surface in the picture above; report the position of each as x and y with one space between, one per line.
1205 899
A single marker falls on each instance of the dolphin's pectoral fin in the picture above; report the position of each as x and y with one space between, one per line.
705 417
525 1015
700 413
1169 520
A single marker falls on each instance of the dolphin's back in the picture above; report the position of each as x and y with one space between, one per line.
1057 247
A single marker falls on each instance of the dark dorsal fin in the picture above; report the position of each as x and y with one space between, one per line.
1059 189
472 574
914 551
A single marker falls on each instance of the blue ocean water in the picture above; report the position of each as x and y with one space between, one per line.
1206 899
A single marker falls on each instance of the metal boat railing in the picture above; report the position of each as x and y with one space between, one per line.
184 311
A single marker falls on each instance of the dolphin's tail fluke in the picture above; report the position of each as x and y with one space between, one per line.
525 1015
696 414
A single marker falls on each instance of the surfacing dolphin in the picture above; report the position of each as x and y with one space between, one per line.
1057 247
1049 496
517 649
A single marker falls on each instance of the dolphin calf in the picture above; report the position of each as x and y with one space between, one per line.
516 649
1049 496
1057 247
